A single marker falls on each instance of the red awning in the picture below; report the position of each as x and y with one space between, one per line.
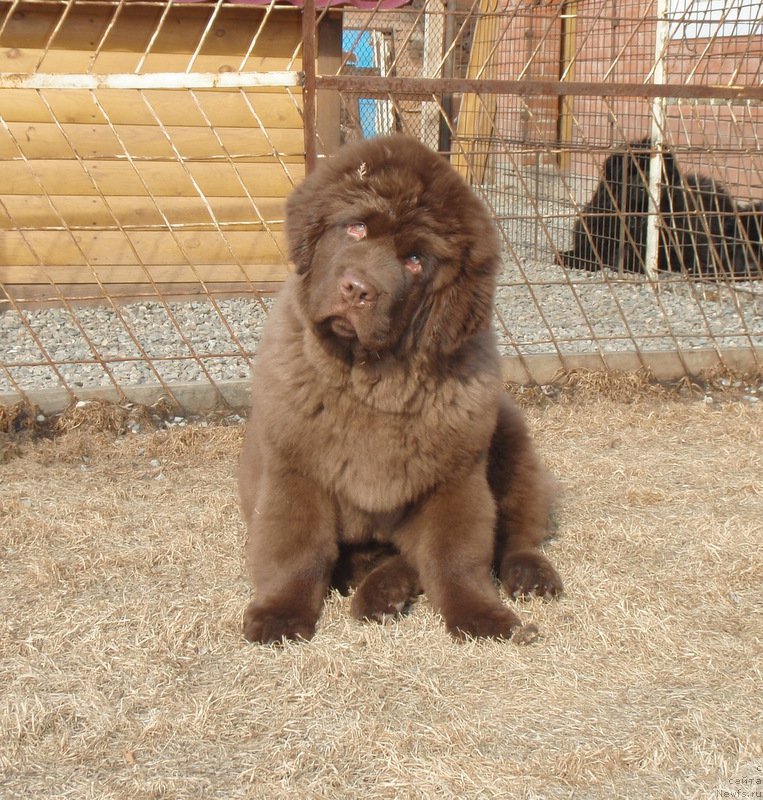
366 5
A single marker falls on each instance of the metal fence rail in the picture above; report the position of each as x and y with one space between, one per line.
148 146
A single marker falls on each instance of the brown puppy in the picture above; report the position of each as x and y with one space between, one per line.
381 445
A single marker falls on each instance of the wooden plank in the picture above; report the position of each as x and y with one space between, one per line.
41 295
566 109
328 102
248 145
89 178
5 220
262 180
157 248
77 248
277 108
7 147
86 23
34 211
66 61
46 140
476 117
178 273
18 178
16 253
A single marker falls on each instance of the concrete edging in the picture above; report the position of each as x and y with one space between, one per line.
540 369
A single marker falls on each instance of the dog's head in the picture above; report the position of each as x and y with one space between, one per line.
394 250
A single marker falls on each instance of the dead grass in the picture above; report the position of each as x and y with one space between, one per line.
123 673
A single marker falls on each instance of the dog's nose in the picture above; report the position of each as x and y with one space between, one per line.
357 291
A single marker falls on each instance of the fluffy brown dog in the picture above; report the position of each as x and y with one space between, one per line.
381 449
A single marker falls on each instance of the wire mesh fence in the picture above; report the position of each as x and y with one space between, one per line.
148 147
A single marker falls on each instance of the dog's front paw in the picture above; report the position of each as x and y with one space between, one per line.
266 626
529 572
478 622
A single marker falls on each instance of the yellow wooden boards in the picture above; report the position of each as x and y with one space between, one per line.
89 178
129 186
33 212
90 31
275 108
476 116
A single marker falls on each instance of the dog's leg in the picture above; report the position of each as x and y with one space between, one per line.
291 550
449 541
386 590
523 490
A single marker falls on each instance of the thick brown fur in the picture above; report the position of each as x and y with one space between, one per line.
381 451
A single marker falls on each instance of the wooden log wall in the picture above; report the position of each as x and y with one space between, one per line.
128 187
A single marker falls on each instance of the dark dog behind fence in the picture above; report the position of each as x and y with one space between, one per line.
703 230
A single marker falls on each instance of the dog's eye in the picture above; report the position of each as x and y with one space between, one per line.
357 230
413 263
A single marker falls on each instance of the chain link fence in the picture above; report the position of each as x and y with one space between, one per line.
148 147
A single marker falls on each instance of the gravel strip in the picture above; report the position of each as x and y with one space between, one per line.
539 310
622 314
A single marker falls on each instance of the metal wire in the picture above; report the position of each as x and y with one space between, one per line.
528 101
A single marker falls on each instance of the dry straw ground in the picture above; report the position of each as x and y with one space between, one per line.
123 673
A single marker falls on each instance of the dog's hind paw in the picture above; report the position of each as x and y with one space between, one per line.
529 572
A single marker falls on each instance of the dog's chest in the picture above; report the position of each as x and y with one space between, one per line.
380 461
375 459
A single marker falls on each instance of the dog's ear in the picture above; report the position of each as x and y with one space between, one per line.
461 310
304 224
